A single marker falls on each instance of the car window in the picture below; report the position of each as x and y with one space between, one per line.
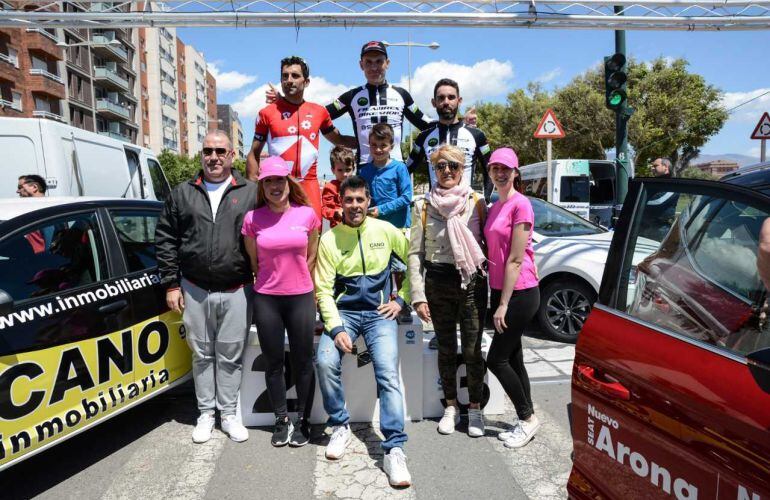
551 220
136 231
48 258
699 277
159 183
574 189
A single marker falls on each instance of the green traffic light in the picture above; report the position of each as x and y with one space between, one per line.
615 99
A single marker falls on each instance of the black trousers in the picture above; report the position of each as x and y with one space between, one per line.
296 315
506 357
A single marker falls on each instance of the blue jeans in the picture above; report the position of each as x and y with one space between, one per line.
381 340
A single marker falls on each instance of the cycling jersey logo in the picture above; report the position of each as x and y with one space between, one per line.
286 115
376 244
363 101
306 124
292 130
432 142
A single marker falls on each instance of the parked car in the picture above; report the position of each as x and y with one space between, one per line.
76 162
671 379
84 329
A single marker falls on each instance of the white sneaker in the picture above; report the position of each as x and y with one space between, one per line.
450 420
234 428
523 433
395 468
505 436
476 426
203 428
339 441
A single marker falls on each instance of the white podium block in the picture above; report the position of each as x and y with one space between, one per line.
433 394
254 406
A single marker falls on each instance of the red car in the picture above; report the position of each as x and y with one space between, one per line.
671 381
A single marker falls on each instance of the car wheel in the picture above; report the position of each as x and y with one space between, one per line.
564 307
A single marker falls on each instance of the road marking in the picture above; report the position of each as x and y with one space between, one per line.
359 473
152 471
541 467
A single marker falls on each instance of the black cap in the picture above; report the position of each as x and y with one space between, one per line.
374 46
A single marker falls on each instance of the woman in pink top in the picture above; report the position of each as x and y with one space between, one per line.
281 238
515 295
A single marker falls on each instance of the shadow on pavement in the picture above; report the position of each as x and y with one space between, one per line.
47 469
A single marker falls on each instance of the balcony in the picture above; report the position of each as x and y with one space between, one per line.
110 78
47 114
112 109
47 74
109 50
10 59
10 104
49 33
115 135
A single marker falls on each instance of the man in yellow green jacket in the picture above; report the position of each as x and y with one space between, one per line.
354 290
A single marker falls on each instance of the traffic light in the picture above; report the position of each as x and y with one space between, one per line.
615 81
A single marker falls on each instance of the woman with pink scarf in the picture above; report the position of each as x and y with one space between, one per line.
446 247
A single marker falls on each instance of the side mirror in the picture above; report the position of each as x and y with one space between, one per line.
759 366
6 303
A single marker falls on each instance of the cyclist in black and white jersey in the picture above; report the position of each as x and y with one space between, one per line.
451 130
377 102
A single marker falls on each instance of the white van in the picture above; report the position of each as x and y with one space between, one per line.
584 187
76 162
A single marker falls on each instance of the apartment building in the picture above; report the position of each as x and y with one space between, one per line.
196 97
211 101
32 74
86 78
160 96
229 122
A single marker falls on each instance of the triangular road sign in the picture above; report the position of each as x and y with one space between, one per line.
762 131
549 127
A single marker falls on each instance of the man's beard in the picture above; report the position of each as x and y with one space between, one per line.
447 113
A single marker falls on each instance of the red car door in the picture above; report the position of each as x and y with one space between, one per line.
671 381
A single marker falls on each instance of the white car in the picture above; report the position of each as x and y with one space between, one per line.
570 254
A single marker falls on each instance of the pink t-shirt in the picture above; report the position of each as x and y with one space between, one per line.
281 248
498 231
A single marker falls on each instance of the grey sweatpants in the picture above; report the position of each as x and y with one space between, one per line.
217 325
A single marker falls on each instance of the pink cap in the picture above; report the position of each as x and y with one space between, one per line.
504 156
273 166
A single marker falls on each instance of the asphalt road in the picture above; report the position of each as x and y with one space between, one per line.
146 453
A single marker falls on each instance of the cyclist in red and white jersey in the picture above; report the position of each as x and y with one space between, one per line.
291 127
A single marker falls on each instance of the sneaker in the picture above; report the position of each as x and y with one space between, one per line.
523 433
234 428
505 436
301 434
339 441
395 468
203 428
282 431
433 344
450 420
476 426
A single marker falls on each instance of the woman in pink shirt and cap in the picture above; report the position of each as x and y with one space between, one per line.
515 296
281 238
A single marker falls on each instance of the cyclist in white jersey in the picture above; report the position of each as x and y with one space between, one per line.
450 129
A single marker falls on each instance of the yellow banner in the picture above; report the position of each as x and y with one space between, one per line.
48 394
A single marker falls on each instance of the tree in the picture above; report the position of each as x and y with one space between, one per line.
178 168
676 112
696 173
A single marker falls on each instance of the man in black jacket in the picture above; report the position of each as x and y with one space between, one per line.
204 266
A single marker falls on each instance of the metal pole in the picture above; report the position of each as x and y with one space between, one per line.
763 151
549 173
621 131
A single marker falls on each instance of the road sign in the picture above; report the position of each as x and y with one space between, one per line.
549 127
762 130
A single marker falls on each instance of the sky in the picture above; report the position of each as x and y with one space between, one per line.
488 63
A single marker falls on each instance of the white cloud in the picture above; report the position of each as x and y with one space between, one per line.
750 112
320 91
549 76
230 80
483 80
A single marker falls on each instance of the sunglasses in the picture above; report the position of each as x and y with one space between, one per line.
442 165
363 358
218 151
